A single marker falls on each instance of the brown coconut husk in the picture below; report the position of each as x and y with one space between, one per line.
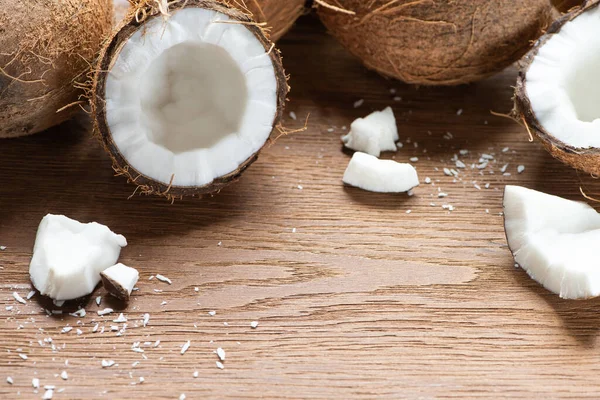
46 46
584 159
566 5
278 15
431 42
137 17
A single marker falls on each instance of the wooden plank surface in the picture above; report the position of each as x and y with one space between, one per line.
354 295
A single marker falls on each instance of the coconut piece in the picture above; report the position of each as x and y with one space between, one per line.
47 46
373 134
558 89
436 42
68 256
184 103
278 15
119 280
385 176
554 240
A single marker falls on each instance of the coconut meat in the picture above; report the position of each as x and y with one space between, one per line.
191 97
373 134
385 176
68 256
563 84
554 240
119 280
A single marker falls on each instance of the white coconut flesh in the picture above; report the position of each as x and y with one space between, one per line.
554 240
191 97
385 176
373 134
563 83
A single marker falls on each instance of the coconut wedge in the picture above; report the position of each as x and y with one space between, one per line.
554 240
558 89
184 99
436 42
373 134
384 176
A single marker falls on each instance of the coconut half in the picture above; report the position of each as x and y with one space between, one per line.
558 89
184 102
436 42
46 49
554 240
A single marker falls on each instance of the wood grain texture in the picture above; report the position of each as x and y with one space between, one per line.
362 301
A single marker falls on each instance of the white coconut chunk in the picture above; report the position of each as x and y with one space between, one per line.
190 98
68 256
563 84
373 134
554 240
119 280
386 176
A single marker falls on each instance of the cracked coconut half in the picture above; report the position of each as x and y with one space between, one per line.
558 90
185 99
554 240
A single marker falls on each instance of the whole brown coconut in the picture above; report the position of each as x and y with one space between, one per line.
279 15
46 47
584 159
138 21
436 42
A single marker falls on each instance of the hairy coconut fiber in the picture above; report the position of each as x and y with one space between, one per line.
46 48
279 15
584 159
566 5
436 42
134 21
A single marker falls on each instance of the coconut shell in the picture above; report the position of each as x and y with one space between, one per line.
437 42
279 15
108 55
584 159
566 5
47 46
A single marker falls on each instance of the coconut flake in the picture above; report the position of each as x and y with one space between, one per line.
64 376
221 354
107 363
120 319
119 280
385 176
68 256
18 298
105 311
220 365
48 394
146 319
185 347
35 382
373 134
163 278
254 324
520 169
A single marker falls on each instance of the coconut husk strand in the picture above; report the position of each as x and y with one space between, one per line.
47 47
566 5
278 15
436 42
583 159
136 20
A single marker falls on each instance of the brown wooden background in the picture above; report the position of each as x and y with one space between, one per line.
363 300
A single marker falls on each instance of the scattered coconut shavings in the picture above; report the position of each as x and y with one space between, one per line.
520 169
414 159
107 363
48 394
95 328
212 313
506 149
254 324
146 319
408 211
359 103
64 376
195 374
98 300
23 356
504 167
105 311
142 380
300 187
460 164
18 298
120 319
448 207
9 380
442 194
8 308
427 180
30 294
185 347
79 313
447 172
463 152
66 329
163 278
221 354
35 382
220 365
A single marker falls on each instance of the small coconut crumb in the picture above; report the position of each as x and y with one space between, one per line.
163 303
66 329
520 169
79 332
212 313
221 354
195 374
254 324
196 289
79 313
18 298
487 156
397 98
487 186
300 187
185 347
220 365
105 311
414 159
293 115
35 382
107 363
463 152
359 103
506 174
95 328
427 180
48 394
408 211
442 194
121 318
8 308
459 112
182 396
477 186
163 278
460 164
23 356
504 167
146 319
293 230
64 376
156 344
98 300
30 294
447 172
505 150
448 207
151 277
219 244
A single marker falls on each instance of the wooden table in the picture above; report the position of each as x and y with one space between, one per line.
357 294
